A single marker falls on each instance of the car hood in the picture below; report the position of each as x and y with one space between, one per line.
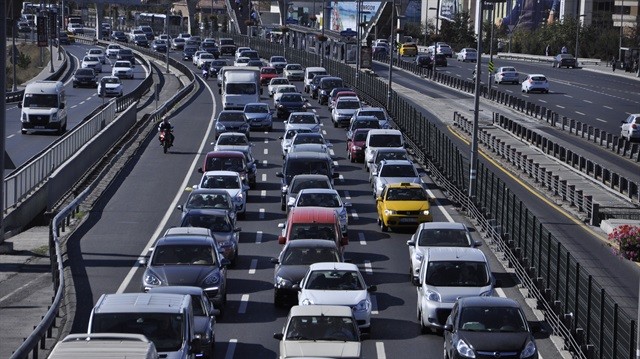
183 274
256 116
328 349
495 341
334 297
294 273
386 180
345 112
407 205
451 294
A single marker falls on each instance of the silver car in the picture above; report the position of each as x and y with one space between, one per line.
395 171
303 119
300 182
324 197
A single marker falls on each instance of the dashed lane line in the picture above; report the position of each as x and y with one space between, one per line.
253 266
244 301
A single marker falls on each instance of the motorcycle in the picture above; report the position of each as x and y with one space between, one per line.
205 74
166 139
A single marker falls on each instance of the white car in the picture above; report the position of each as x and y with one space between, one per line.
535 82
282 89
204 60
91 62
99 53
303 119
344 109
122 69
320 331
278 62
231 182
110 86
75 28
630 128
437 234
242 61
289 134
275 82
467 54
506 74
322 197
113 49
293 72
338 284
394 171
232 141
195 57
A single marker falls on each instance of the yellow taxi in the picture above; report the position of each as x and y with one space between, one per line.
408 49
403 205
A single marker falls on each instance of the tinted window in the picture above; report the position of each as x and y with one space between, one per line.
322 328
199 200
306 166
183 255
307 256
398 171
256 109
348 105
390 140
164 330
457 274
492 319
334 280
318 200
313 231
214 223
225 164
444 238
223 182
231 117
299 185
406 194
291 98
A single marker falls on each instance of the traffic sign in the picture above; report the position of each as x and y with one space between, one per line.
490 66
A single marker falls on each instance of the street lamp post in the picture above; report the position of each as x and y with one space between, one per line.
393 21
14 55
621 32
578 23
358 37
435 45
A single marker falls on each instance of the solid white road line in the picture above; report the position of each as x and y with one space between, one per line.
440 207
244 300
380 350
259 237
253 266
231 349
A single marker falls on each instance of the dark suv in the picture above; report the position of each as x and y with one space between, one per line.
304 163
227 46
326 85
85 78
314 87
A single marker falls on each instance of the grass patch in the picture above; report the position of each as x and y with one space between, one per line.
28 63
42 251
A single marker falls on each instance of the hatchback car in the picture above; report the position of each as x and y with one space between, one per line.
85 78
259 116
403 205
304 181
630 128
444 49
423 61
232 141
338 284
290 102
293 263
266 74
112 50
159 45
208 198
188 52
326 85
289 134
447 274
506 74
408 49
122 69
293 72
99 53
467 54
314 85
110 86
235 160
232 121
231 182
119 36
91 62
535 82
394 171
242 61
303 120
278 62
276 81
222 228
488 327
343 109
564 60
324 197
141 40
355 144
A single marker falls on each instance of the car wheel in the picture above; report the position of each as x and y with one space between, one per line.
351 158
423 329
383 227
23 131
277 300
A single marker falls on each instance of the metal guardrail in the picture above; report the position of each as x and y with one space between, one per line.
576 305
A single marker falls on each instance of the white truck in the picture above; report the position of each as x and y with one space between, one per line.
239 87
44 107
108 345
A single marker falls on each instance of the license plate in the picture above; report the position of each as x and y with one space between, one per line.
408 220
39 127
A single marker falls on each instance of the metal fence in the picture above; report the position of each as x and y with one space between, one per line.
576 305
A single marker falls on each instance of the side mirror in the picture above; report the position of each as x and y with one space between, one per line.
335 175
278 336
62 105
279 175
282 239
348 260
448 327
220 91
274 261
372 288
536 327
142 262
378 199
347 204
200 170
415 280
179 207
477 243
280 225
224 262
411 242
215 312
296 287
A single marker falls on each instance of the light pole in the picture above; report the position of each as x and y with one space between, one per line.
392 27
13 54
358 37
435 45
621 35
578 23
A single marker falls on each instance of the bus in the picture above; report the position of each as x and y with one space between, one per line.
157 22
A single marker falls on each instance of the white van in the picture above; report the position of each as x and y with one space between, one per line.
309 73
386 138
107 345
166 319
225 69
44 107
240 88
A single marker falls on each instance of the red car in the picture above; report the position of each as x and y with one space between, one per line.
266 74
355 144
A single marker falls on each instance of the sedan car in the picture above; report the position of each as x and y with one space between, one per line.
437 234
303 120
290 102
293 72
91 62
208 198
289 134
215 66
188 52
403 205
467 54
113 49
204 60
84 78
343 109
231 182
259 116
304 181
122 69
324 197
282 89
630 128
266 74
394 171
278 62
535 82
355 144
275 81
221 226
99 53
119 36
338 284
141 40
178 43
293 263
110 86
159 45
188 256
495 325
231 121
379 112
564 60
232 141
242 61
506 74
127 54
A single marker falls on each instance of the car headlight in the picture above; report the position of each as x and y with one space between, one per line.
418 256
389 212
464 349
280 106
529 349
283 282
307 301
244 127
343 215
220 127
356 148
433 296
425 212
212 279
225 243
150 279
243 177
54 116
363 305
24 117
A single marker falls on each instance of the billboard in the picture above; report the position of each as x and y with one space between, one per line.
530 14
344 14
449 8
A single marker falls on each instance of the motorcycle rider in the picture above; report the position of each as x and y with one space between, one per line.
205 71
166 126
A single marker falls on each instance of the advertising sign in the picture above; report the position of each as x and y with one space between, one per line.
41 30
449 8
344 14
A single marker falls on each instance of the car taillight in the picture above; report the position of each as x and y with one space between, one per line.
634 126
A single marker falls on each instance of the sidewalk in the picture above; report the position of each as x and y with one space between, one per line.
26 289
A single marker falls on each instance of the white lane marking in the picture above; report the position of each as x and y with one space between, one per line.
259 237
231 349
261 213
500 293
440 207
243 304
174 203
263 193
580 113
367 267
569 96
587 101
253 266
380 350
559 106
264 177
23 286
374 305
324 132
363 241
332 153
74 106
81 102
11 135
335 163
341 177
610 108
264 163
354 215
347 195
266 140
601 120
543 101
266 151
88 98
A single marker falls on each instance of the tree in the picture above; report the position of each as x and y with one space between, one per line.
458 33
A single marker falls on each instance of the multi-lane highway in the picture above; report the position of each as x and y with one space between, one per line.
141 205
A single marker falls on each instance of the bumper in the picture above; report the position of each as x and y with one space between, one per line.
409 221
260 124
357 155
286 294
124 75
50 126
363 318
342 120
85 83
436 313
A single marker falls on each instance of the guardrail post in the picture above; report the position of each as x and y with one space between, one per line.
594 219
564 122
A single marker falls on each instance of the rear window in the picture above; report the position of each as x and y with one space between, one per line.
329 84
84 72
231 117
313 231
306 166
539 78
398 171
457 274
438 237
226 42
391 140
298 186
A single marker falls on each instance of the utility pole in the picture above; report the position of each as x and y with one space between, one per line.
391 47
3 114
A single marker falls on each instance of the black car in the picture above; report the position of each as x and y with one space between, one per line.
210 47
222 227
424 61
440 59
159 45
314 87
208 198
85 78
119 36
188 52
231 121
227 46
294 261
127 55
564 60
63 38
325 86
290 102
493 327
141 40
215 66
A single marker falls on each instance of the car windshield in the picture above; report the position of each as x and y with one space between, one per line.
318 200
381 140
231 117
215 223
406 194
291 98
95 52
348 105
299 185
226 42
398 171
278 59
221 181
308 139
436 237
233 140
492 319
38 100
219 63
209 200
313 231
294 67
325 328
388 155
183 254
334 280
538 78
163 329
225 164
84 72
256 109
308 256
286 89
303 119
329 84
508 69
206 56
268 70
241 88
366 124
360 136
110 80
457 274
